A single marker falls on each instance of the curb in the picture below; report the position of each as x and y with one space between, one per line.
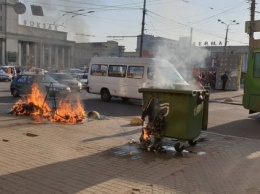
225 102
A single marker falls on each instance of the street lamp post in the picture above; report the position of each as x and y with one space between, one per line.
233 22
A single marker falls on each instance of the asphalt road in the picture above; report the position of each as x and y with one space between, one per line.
225 119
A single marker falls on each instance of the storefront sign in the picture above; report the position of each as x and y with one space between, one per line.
206 43
40 25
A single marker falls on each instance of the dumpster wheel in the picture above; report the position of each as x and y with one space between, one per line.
178 148
193 142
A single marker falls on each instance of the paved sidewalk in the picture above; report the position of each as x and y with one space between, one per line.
230 97
100 156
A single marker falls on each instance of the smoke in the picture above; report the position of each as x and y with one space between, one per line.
184 58
62 17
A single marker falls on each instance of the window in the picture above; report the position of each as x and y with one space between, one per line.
150 73
256 69
98 70
166 74
117 71
22 79
135 72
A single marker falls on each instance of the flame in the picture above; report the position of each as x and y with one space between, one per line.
36 106
67 113
145 134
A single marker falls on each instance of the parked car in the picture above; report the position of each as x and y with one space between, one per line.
68 80
10 70
21 85
84 81
76 73
4 76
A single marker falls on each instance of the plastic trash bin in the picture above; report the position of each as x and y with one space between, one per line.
184 112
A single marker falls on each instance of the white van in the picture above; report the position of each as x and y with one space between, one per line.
122 77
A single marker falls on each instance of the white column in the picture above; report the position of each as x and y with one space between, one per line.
69 58
42 65
57 57
3 52
27 54
49 57
19 53
72 56
62 57
35 55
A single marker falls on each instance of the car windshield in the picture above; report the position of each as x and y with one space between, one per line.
48 79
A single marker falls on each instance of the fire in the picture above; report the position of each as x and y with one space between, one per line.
36 106
145 134
66 113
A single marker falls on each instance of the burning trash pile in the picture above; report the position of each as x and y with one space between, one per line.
152 134
36 106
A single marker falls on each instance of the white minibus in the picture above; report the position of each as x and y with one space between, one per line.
123 76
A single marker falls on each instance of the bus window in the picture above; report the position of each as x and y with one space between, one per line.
135 72
117 71
150 73
98 70
256 69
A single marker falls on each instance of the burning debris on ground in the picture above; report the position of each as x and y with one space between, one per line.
36 106
93 115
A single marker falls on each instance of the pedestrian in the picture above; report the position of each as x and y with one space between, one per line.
224 79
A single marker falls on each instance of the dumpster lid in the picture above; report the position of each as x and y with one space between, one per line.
165 90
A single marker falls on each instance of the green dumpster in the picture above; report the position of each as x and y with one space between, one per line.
185 113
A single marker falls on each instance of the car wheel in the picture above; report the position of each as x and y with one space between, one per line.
105 95
15 93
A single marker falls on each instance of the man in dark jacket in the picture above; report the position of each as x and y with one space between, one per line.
224 79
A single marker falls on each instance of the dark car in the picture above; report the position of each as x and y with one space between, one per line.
22 84
68 80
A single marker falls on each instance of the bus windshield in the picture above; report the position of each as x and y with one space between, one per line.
164 72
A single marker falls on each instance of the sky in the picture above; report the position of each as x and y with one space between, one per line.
98 20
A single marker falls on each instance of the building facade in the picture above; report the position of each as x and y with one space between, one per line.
83 52
32 44
217 51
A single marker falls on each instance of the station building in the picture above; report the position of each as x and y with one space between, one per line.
42 45
32 44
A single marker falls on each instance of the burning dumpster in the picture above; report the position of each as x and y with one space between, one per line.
180 114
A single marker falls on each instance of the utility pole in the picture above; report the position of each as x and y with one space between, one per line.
232 22
191 32
142 32
252 27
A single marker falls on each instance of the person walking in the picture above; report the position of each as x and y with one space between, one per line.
224 79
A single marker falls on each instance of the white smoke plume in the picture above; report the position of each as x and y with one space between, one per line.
184 57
